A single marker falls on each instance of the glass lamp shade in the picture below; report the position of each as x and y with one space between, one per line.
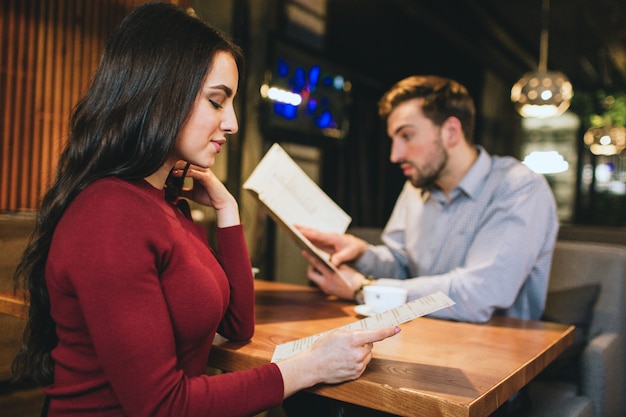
542 94
605 140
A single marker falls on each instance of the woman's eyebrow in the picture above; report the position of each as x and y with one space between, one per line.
227 90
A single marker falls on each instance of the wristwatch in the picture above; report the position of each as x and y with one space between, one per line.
358 294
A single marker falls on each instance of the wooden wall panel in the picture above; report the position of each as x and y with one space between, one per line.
49 50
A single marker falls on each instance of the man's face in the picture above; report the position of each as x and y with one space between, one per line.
416 144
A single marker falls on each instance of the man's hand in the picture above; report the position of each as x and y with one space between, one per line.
329 282
342 247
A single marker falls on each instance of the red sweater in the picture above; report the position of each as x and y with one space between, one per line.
137 296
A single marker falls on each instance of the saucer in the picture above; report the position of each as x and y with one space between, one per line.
363 310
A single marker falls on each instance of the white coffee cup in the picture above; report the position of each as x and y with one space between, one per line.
379 298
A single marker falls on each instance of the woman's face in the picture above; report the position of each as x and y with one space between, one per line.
212 116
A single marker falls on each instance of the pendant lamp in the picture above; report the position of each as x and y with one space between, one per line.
606 140
542 93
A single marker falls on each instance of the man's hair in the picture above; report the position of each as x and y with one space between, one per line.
441 98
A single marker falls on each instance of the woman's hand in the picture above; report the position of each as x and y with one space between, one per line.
342 247
335 357
209 191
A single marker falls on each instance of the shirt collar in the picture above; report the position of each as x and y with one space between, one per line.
471 182
474 179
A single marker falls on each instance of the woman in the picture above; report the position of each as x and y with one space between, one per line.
125 293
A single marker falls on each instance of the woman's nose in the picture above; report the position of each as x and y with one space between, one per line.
229 122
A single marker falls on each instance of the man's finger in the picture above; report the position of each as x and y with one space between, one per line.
314 261
315 236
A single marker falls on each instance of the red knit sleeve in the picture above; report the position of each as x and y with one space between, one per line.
238 322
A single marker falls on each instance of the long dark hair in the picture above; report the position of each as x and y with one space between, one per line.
125 126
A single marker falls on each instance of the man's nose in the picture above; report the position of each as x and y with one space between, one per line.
397 152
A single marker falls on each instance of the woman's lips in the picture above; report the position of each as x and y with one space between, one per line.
218 144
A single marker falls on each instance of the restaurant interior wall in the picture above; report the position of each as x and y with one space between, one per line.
358 175
49 52
46 65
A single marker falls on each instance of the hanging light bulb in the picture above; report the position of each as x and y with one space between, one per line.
605 140
542 93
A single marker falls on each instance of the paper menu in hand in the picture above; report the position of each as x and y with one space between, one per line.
393 317
292 197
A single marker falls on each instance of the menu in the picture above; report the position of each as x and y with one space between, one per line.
292 198
393 317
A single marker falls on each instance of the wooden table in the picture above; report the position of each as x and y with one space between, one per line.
12 304
431 368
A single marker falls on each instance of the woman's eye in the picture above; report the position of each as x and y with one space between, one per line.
215 104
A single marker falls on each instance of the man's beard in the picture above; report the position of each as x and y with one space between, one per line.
427 175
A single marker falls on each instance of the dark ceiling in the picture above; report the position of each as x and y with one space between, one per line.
389 39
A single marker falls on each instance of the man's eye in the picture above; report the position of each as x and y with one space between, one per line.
216 104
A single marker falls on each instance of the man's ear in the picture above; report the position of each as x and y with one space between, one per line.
452 131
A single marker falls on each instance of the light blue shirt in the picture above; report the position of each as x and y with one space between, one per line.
489 247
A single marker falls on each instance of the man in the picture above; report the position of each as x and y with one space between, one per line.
477 227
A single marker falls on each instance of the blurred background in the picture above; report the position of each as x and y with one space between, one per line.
337 57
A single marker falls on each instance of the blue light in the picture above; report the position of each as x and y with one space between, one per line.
283 68
314 76
324 120
322 95
286 110
299 80
338 82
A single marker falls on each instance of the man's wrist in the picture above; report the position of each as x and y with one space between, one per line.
358 294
